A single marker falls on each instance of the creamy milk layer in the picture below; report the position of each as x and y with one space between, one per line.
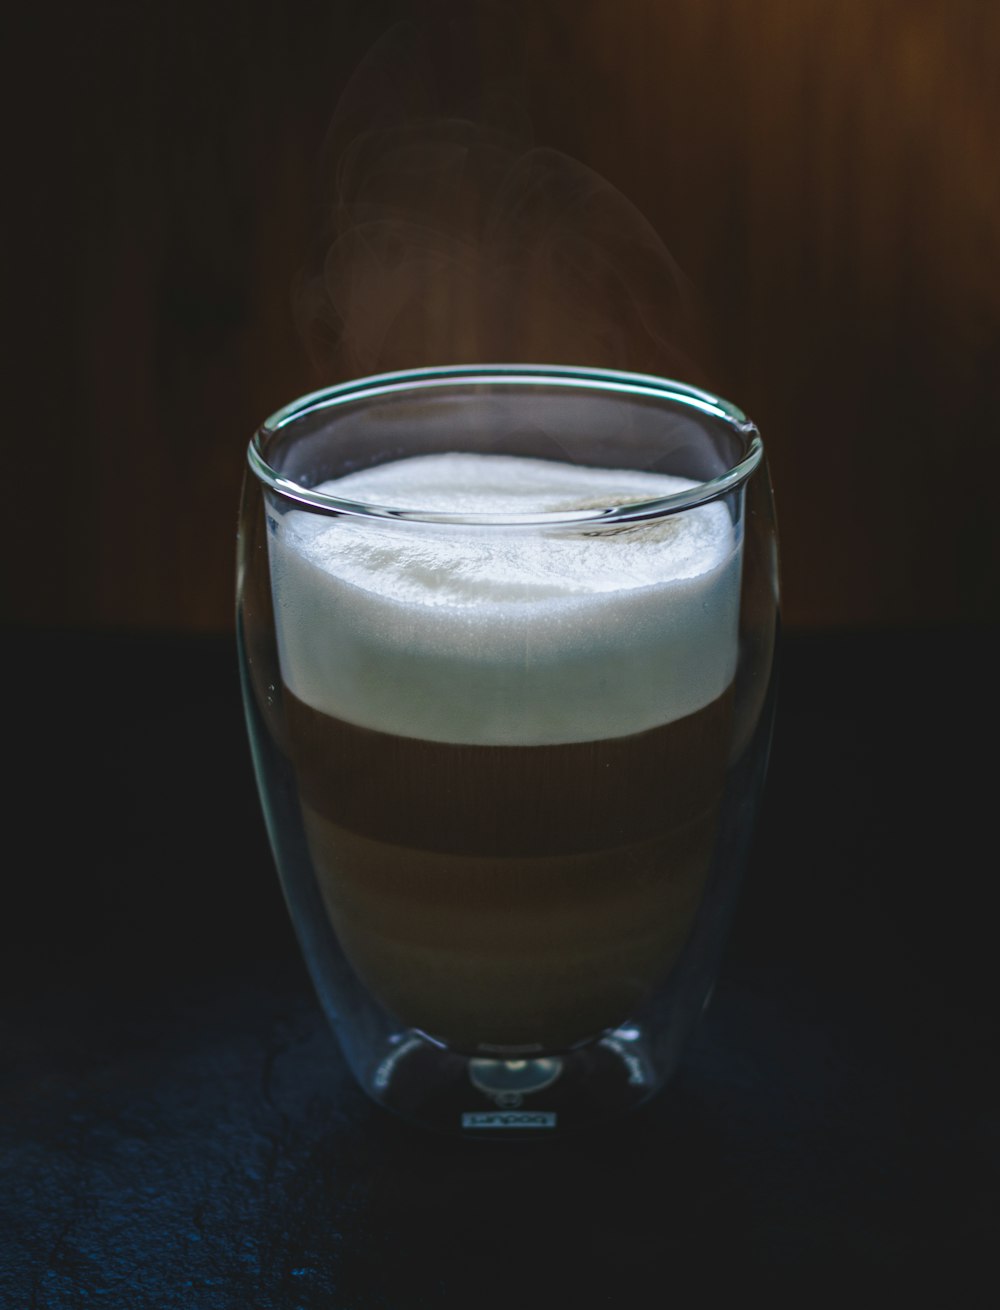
502 636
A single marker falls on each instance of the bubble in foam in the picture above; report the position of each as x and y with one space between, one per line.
506 635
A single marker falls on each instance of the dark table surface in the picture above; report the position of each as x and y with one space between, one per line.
180 1129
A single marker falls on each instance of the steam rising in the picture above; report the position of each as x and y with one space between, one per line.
452 238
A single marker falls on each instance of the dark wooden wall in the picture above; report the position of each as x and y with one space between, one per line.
818 182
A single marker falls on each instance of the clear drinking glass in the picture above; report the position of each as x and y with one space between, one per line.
510 706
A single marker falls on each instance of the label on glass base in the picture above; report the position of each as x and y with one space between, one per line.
509 1119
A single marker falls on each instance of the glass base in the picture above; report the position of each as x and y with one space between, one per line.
534 1097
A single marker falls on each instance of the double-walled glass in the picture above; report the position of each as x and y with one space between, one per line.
506 638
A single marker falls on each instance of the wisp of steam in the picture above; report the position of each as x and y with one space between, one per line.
450 236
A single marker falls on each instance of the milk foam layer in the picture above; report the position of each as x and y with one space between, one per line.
498 635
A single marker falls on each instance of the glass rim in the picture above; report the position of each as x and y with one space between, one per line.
526 375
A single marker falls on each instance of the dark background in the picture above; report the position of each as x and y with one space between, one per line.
819 180
822 175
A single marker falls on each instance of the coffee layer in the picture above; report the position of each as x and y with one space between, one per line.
520 953
510 800
524 898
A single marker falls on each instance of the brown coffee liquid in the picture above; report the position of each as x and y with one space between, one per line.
511 898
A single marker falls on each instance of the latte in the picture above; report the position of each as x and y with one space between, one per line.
510 742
